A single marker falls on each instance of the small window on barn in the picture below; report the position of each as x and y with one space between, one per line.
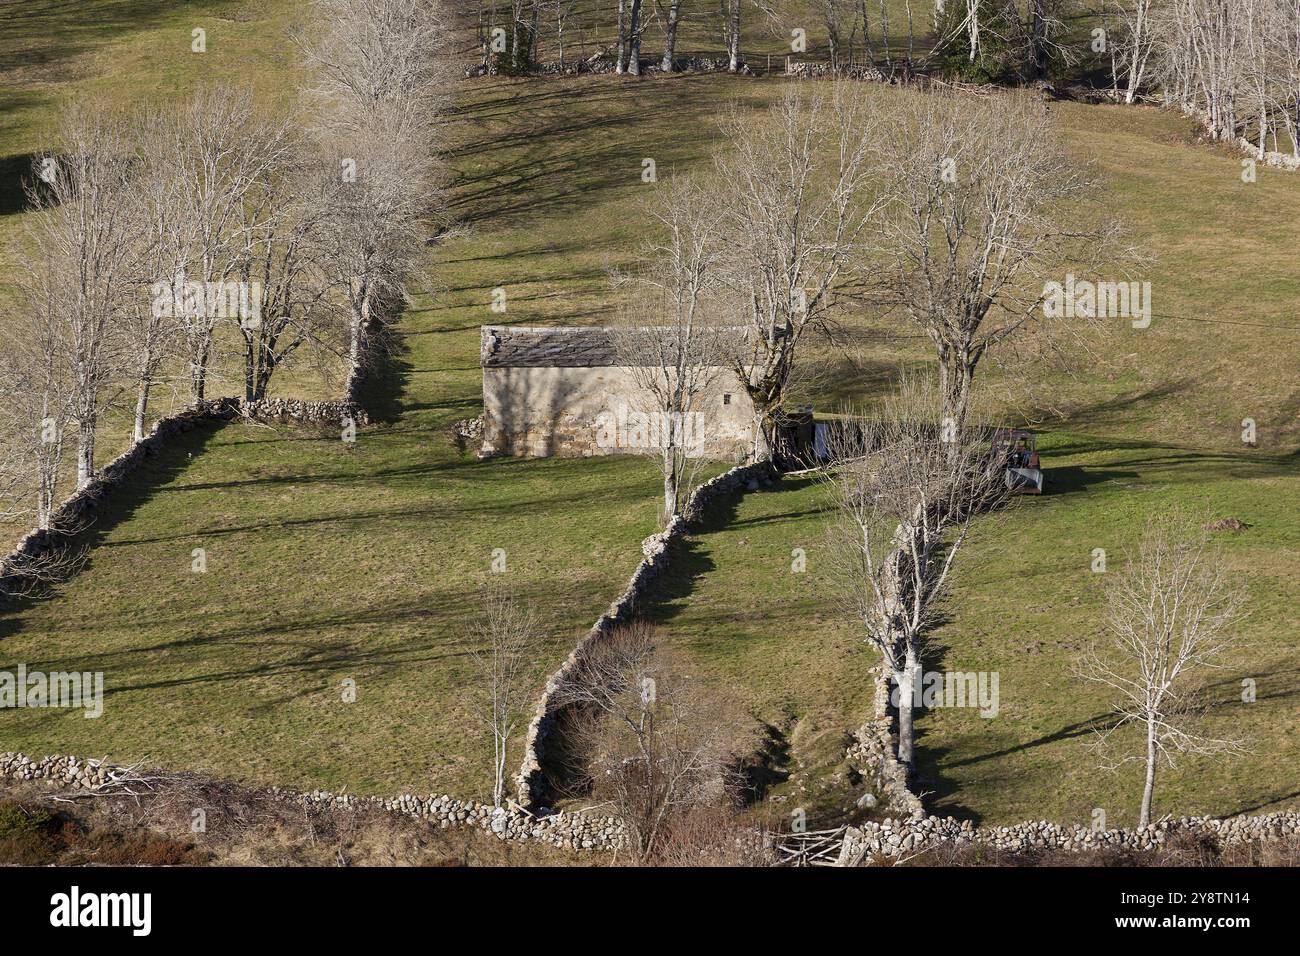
726 398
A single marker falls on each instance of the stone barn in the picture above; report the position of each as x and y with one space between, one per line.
561 392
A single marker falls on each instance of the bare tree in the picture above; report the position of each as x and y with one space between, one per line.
284 264
672 20
81 246
381 64
1130 44
793 188
499 691
657 746
906 487
978 216
376 223
673 346
383 88
221 150
36 406
1171 615
152 322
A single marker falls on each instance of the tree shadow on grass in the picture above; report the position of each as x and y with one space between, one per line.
118 506
14 171
689 561
1075 478
383 388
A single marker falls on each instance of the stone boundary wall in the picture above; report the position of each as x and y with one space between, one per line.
293 409
531 781
892 838
575 831
1249 150
605 63
874 754
78 507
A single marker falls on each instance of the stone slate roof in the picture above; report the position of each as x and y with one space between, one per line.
520 347
515 346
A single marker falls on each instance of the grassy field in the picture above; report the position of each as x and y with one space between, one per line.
330 561
326 562
1135 420
1025 601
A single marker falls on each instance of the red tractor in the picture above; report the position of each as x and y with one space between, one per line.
1017 448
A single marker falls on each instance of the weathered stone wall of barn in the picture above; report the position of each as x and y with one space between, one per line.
582 412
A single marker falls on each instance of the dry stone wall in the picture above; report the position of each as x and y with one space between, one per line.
531 781
874 755
574 831
79 507
904 837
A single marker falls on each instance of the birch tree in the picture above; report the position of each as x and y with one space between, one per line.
153 320
36 406
672 20
504 633
673 345
1172 616
220 149
634 30
382 87
906 488
1130 44
284 265
82 237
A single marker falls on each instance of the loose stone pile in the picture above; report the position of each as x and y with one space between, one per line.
904 836
72 771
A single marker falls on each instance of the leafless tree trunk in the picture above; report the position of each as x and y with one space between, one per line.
975 221
673 348
82 245
36 400
906 488
634 38
1171 615
284 265
795 207
620 63
383 77
220 150
1130 44
667 64
731 33
499 692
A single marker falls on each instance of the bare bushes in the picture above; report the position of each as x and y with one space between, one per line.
659 750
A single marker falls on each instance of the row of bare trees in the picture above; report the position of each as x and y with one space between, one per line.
1236 63
511 31
168 241
943 214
